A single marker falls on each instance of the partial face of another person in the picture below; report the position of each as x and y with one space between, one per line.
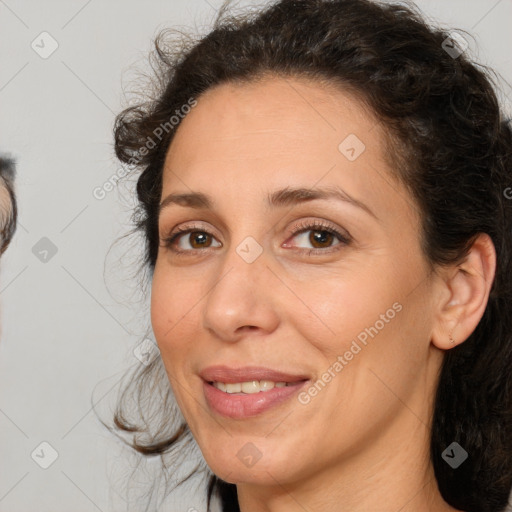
6 203
331 294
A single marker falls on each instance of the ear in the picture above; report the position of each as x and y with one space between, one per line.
464 292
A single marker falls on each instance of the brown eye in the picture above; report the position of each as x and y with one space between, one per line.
201 238
321 237
196 239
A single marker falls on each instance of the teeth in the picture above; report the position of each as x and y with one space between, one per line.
253 386
265 385
233 388
250 387
220 385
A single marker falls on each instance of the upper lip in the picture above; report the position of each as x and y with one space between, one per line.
246 374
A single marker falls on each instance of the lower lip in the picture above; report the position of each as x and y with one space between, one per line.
246 405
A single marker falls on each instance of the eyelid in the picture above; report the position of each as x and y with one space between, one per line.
184 226
344 237
319 225
182 230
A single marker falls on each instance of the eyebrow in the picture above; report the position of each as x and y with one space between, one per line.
279 198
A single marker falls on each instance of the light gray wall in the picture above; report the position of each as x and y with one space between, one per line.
66 337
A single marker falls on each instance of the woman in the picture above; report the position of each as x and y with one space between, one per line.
8 211
329 246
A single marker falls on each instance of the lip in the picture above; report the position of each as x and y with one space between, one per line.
240 406
226 374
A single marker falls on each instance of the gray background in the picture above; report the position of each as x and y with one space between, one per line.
71 320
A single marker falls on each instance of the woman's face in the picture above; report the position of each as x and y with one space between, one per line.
327 286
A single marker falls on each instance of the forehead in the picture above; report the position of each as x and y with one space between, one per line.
296 109
276 132
293 119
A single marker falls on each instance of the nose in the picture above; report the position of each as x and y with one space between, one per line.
242 298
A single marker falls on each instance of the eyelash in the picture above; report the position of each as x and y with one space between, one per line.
303 227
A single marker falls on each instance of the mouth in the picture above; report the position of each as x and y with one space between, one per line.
249 391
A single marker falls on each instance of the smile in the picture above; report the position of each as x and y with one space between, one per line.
243 392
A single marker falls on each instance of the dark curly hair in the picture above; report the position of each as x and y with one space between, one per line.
8 205
449 144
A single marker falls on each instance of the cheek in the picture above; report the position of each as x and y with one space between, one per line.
381 325
366 326
174 319
365 338
172 310
340 310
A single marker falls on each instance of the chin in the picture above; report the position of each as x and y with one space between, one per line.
244 462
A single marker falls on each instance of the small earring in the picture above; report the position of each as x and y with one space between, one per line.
451 338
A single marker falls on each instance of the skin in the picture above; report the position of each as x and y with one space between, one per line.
362 443
5 211
5 206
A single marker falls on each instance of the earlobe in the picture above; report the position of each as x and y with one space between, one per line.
466 287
